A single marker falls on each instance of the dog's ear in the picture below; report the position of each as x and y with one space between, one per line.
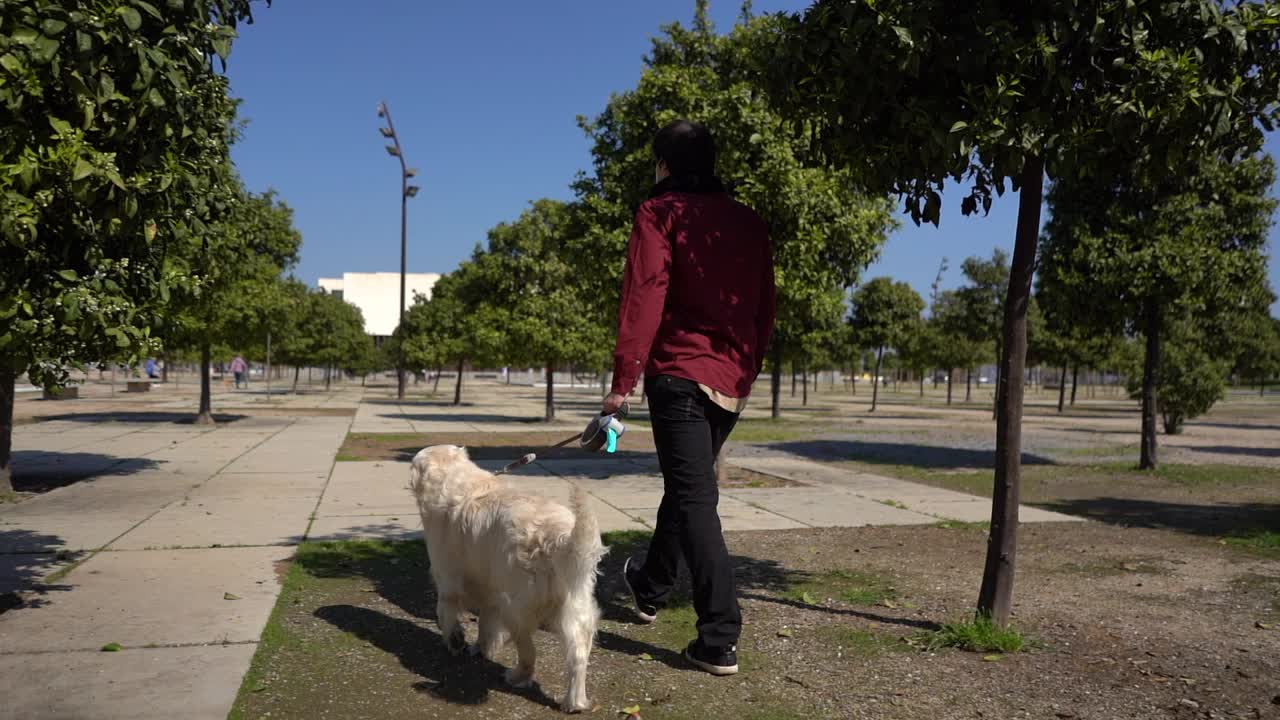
460 451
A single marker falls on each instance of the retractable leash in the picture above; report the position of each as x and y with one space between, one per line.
601 433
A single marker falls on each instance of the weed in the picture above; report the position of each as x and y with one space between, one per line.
977 635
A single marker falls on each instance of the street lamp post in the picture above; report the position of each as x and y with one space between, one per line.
406 191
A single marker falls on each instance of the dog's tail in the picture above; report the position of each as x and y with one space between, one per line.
588 550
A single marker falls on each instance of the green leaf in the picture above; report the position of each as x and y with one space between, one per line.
53 27
112 647
959 125
62 127
149 9
132 19
68 275
12 64
84 169
45 49
24 36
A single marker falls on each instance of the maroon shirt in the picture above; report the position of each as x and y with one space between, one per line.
697 294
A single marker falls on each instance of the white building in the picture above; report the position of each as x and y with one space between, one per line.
377 295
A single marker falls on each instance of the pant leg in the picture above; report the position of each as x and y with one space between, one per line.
687 430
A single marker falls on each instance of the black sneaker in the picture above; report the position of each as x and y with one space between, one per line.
717 661
646 612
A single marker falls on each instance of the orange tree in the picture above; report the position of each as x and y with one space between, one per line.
913 94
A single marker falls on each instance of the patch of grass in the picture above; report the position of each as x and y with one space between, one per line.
978 635
852 586
768 430
1205 475
1257 539
862 643
348 458
983 525
357 557
624 542
9 497
893 504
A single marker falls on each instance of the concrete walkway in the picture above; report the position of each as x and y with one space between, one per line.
180 533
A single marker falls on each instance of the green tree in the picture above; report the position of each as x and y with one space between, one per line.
1191 378
956 349
1154 251
527 292
912 94
1259 356
459 323
113 134
824 231
235 264
982 298
884 314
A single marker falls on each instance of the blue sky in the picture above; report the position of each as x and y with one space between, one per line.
484 97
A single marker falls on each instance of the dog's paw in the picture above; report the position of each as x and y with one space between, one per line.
517 679
571 706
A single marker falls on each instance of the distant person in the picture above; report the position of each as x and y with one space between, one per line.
238 368
695 319
150 367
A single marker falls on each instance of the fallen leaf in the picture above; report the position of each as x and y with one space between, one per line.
997 657
807 598
1264 626
230 596
645 657
889 604
631 712
112 647
260 688
784 633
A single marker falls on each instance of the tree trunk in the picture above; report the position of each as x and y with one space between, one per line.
205 415
968 384
793 379
1075 377
551 385
995 403
8 381
296 372
164 369
457 386
922 385
950 374
775 384
875 386
1062 388
1262 386
1150 374
328 376
435 387
804 372
995 599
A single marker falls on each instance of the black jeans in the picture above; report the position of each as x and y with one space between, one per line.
688 430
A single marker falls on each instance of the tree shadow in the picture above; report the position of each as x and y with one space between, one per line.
1212 520
40 471
890 453
1266 452
142 416
26 558
467 418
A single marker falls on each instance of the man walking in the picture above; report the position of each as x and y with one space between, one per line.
238 368
696 316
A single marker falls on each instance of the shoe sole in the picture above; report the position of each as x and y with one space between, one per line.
719 670
644 617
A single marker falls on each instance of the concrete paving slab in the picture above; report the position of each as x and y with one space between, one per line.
1030 514
66 531
194 683
172 597
972 511
739 515
823 507
258 485
208 521
366 527
25 570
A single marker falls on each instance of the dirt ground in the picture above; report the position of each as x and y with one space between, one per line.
1123 623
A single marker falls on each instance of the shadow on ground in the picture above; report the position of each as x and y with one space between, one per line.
40 471
1209 519
1265 452
889 453
142 416
399 573
26 558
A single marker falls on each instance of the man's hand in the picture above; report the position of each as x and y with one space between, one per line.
611 403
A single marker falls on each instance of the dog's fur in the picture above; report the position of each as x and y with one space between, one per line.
519 561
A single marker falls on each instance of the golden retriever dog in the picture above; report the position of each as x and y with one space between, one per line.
518 561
